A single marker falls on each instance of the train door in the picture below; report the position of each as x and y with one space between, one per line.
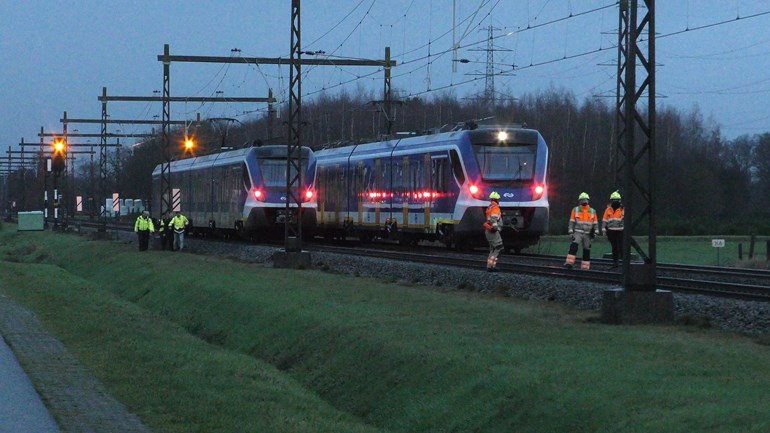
320 188
342 196
426 190
358 181
406 191
374 182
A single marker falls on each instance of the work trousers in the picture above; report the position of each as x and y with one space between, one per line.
576 239
616 240
144 239
495 246
178 240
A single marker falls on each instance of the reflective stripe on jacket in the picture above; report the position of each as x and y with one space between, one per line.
143 224
583 220
494 215
613 218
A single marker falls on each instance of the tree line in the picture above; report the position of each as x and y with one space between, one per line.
705 183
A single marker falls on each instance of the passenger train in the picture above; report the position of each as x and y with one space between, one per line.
436 187
241 190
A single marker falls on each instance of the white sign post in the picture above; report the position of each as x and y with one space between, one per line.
718 243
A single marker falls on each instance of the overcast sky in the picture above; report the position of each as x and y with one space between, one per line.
56 56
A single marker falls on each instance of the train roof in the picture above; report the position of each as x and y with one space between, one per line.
278 151
518 135
231 157
211 160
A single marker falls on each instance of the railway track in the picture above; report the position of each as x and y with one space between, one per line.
690 279
745 284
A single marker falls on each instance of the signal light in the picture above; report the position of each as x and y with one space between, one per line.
58 159
188 143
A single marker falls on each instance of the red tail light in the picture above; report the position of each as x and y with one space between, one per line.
308 195
258 195
538 191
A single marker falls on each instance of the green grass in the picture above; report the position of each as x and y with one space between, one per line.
692 250
280 350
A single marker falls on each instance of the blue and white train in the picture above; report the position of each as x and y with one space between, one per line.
241 190
436 187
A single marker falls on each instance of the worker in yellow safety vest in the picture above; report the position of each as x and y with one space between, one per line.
143 227
178 224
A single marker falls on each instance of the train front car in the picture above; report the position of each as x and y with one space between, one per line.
512 162
209 190
265 208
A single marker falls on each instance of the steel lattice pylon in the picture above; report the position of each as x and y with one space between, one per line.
165 168
636 164
293 227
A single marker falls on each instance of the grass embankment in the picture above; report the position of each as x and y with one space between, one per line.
691 250
286 351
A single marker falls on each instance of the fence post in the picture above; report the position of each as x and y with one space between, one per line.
751 246
740 250
767 252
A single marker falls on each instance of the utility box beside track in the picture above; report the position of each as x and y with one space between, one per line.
30 221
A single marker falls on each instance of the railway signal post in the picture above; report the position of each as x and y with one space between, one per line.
58 164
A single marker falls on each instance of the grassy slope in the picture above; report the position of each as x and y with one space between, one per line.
173 380
402 359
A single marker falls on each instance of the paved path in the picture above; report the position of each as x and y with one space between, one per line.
21 409
76 400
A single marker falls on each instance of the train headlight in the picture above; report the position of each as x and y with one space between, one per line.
502 136
474 190
538 191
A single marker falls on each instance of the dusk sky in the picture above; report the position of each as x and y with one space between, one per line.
57 56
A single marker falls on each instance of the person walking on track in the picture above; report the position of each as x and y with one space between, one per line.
612 227
492 227
583 226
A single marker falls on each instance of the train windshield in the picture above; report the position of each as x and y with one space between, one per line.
512 162
274 171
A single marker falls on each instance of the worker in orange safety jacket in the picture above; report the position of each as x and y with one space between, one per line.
583 227
492 227
612 226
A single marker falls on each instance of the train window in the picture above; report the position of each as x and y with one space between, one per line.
512 162
438 174
457 168
245 176
273 171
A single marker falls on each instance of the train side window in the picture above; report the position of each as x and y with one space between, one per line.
443 172
246 178
457 168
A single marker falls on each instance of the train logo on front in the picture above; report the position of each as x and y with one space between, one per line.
508 195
